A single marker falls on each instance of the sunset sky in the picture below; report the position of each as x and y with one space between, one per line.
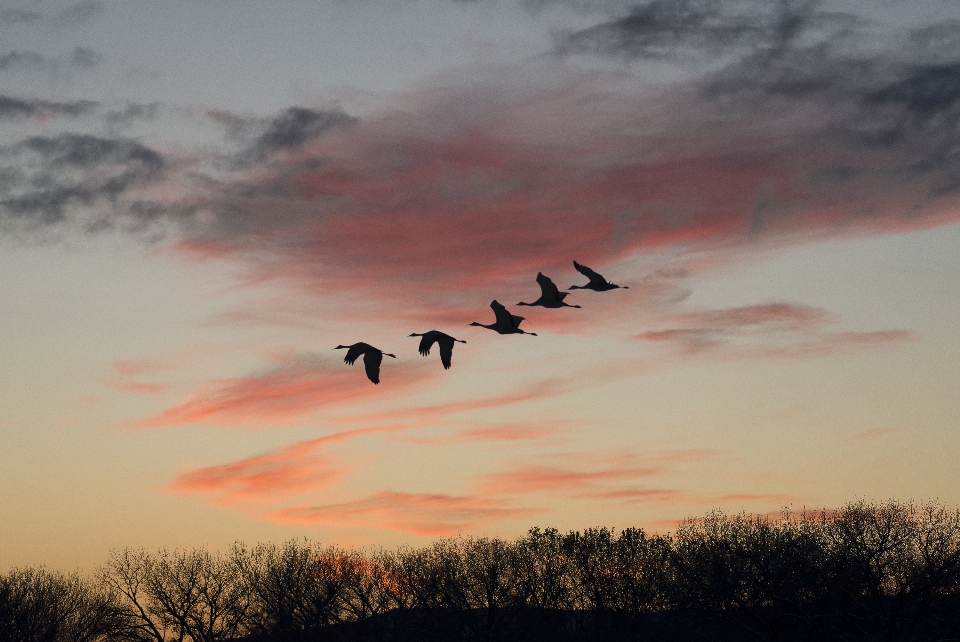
200 199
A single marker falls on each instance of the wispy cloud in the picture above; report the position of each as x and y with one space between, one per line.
591 475
765 331
11 107
503 432
873 433
429 514
128 373
531 392
70 15
295 389
297 469
79 59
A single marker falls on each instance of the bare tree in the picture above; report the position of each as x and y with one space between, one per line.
889 561
289 586
178 595
37 605
542 569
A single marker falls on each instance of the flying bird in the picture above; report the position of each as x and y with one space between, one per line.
597 282
506 323
371 358
444 340
550 296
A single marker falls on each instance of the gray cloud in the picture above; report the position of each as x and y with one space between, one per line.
44 176
74 14
680 28
132 112
79 13
238 129
10 17
294 128
11 107
909 110
23 60
821 71
81 58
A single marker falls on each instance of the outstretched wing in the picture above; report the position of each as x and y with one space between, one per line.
429 338
355 351
590 274
371 363
549 291
504 318
517 320
446 351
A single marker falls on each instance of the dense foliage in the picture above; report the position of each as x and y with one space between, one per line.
866 572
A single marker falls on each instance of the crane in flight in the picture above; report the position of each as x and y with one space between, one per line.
550 296
597 282
371 358
506 323
445 341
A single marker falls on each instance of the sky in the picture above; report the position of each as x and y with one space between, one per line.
200 200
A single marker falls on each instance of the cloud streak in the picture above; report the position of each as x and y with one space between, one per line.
427 514
294 390
765 331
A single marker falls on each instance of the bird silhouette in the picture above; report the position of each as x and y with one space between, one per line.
506 323
597 282
550 296
371 358
444 340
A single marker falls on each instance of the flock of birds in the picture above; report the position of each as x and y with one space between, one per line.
505 323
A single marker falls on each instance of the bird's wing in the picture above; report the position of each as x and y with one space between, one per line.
590 274
548 290
429 338
446 351
504 318
517 320
354 352
371 363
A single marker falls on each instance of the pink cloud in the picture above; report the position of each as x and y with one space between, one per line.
436 515
590 475
295 469
290 392
292 470
873 433
137 386
460 190
128 371
639 495
556 479
503 432
532 392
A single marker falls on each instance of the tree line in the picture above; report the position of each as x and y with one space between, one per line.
869 571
